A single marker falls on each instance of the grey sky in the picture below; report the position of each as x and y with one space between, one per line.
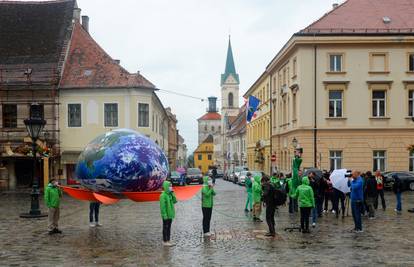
181 45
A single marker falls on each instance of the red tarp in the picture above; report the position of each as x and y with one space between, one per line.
182 193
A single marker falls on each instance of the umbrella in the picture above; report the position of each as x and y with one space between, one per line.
339 181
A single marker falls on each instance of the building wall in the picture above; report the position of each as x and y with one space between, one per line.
204 150
208 127
92 106
357 133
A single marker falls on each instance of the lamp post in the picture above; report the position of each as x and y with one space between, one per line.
34 125
294 142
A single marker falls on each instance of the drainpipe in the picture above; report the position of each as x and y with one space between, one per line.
271 123
315 130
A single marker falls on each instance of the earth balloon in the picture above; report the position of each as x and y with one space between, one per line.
122 161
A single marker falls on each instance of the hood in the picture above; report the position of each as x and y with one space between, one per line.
257 179
50 185
165 186
205 180
305 180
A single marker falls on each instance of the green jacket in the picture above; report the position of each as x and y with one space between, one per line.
276 182
290 187
207 194
304 193
257 190
52 196
248 184
167 201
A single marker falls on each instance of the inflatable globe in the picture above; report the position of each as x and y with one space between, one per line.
122 161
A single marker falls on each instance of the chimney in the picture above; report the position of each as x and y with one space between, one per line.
335 5
85 23
76 14
212 104
117 61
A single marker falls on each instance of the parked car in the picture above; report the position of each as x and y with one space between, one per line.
177 178
219 173
407 179
243 175
194 175
236 173
228 174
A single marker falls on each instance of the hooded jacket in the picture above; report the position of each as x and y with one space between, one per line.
52 196
207 194
304 193
275 182
397 187
257 190
248 184
167 201
291 191
371 187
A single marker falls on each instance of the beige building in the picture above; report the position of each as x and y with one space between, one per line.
98 95
344 88
236 140
258 130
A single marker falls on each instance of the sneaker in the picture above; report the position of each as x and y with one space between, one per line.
98 224
51 232
333 211
258 220
207 234
92 225
359 231
325 211
313 225
270 234
166 244
58 231
171 244
372 217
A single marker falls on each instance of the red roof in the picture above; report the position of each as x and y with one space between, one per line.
366 16
210 116
89 66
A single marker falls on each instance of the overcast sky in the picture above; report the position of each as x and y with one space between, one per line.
181 45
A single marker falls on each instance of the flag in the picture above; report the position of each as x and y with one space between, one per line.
252 105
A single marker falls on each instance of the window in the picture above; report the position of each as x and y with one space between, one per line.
378 62
378 103
212 128
37 111
335 104
74 115
379 160
411 163
230 96
153 122
411 62
143 115
335 63
9 116
200 157
411 103
209 157
294 106
335 158
111 115
294 67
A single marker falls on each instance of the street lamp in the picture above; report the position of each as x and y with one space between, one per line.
34 125
294 142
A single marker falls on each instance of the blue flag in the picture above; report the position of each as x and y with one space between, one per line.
252 105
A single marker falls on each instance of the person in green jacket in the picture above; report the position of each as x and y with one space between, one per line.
167 201
248 184
207 195
275 181
304 193
257 199
52 199
293 203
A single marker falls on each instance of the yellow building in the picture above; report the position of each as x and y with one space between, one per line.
344 89
258 130
203 155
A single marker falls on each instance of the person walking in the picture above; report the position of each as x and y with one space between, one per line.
214 175
328 195
293 203
304 194
257 199
371 193
167 201
94 210
338 196
52 196
207 195
269 198
248 184
397 187
356 184
380 190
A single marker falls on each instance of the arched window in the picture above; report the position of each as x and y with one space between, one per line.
230 99
212 128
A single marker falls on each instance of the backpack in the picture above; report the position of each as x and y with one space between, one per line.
280 197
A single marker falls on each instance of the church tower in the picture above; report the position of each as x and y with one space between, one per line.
229 87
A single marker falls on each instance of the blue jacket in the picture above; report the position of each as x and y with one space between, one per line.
357 189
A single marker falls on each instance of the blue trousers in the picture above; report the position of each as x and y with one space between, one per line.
356 207
249 202
399 205
94 210
314 214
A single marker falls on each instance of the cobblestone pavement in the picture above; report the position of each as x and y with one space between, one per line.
131 236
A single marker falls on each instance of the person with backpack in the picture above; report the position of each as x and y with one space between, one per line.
397 187
304 194
167 202
269 198
207 195
257 199
248 184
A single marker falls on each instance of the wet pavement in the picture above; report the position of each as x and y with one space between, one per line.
131 236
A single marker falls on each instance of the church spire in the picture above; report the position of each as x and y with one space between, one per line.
230 68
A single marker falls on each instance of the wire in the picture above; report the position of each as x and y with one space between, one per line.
181 94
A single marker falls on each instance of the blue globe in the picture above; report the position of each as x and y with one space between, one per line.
122 161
